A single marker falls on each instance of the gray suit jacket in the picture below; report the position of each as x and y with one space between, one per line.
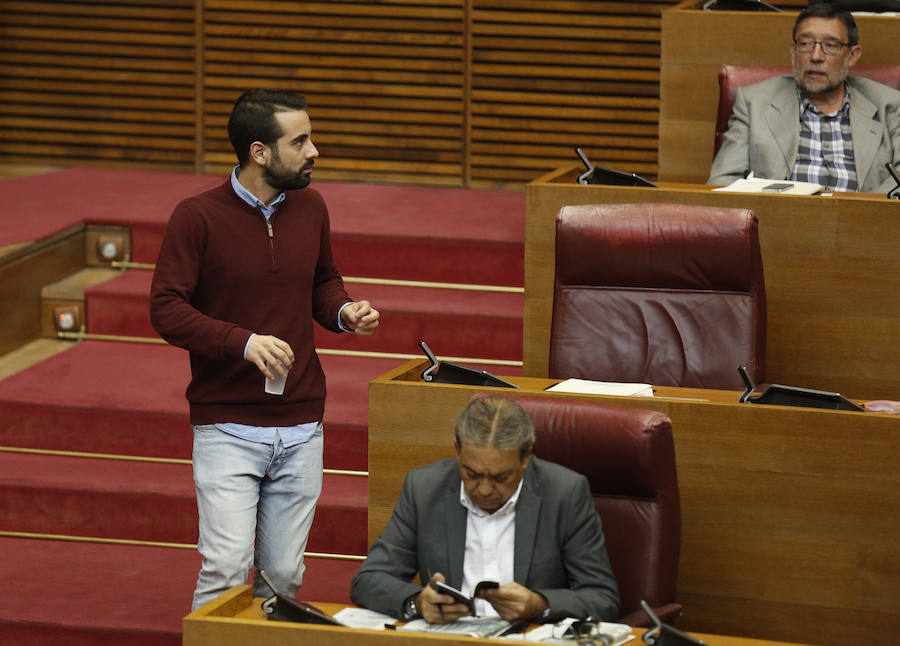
560 550
763 132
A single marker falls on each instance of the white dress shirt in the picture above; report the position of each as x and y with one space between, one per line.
490 542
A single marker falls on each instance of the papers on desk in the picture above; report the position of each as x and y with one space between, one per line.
587 387
616 634
362 618
751 184
466 626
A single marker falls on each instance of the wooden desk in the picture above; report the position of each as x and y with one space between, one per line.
832 268
696 44
236 619
790 515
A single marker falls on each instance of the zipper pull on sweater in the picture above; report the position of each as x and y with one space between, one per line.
271 238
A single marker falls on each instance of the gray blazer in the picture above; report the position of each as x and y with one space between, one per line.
763 132
560 550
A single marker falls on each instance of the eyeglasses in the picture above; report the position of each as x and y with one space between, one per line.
830 47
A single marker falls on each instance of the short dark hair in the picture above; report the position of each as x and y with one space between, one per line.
253 118
829 10
496 422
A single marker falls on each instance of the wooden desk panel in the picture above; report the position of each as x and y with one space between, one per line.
790 515
695 46
832 279
236 619
24 270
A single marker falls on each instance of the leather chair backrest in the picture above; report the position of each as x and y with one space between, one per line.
666 294
628 456
731 77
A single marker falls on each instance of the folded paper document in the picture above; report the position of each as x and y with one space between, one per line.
751 184
468 626
587 387
364 618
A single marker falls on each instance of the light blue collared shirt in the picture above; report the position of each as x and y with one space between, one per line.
289 435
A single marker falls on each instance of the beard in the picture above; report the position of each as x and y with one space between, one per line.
810 89
281 178
826 82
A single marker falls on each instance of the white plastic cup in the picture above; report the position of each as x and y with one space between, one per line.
275 386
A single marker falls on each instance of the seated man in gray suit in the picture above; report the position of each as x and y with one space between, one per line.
820 125
497 513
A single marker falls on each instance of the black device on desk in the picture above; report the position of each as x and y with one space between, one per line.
459 597
444 372
738 5
601 175
792 396
894 193
661 634
281 607
875 6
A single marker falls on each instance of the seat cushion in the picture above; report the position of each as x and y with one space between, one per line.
687 338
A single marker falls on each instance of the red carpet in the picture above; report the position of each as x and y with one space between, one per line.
54 201
432 234
64 593
46 494
128 399
383 231
466 323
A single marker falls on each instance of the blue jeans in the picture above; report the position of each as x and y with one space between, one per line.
246 492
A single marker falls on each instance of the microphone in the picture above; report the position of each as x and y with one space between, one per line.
894 193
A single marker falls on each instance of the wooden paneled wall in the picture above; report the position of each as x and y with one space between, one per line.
455 92
549 76
384 81
98 82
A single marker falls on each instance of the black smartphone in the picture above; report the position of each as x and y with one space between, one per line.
484 585
457 595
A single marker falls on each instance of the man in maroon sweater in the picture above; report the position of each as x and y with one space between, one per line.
243 270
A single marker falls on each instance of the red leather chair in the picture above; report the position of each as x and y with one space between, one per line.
666 294
731 77
628 456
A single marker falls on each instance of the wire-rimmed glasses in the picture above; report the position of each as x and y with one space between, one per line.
831 47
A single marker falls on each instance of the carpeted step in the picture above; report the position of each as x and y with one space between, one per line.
88 594
142 200
389 231
125 499
459 323
128 399
485 325
424 233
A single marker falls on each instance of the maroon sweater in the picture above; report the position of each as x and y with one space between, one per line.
221 276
